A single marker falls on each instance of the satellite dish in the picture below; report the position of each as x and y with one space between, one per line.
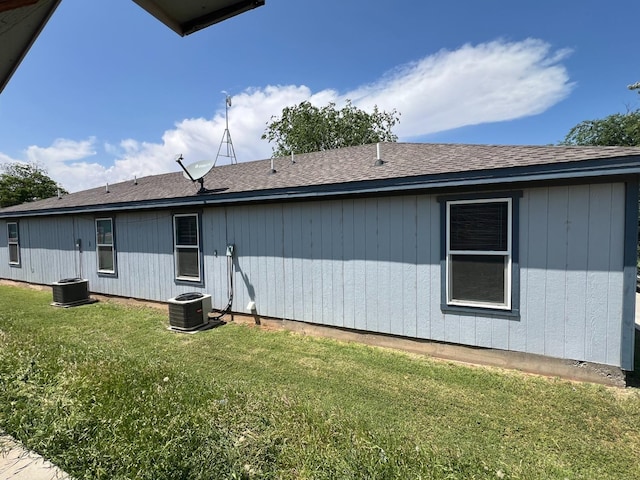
195 171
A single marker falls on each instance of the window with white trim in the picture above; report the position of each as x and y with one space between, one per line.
13 243
186 235
479 253
105 246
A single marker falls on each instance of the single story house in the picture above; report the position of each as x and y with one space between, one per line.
526 249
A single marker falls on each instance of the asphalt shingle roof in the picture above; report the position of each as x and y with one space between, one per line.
334 167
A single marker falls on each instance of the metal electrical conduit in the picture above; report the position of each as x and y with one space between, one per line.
230 290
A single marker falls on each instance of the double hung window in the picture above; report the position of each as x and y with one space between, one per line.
187 246
13 243
105 246
479 253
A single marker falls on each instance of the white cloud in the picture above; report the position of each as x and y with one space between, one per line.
490 82
66 161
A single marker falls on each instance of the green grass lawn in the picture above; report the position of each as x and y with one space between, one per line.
105 391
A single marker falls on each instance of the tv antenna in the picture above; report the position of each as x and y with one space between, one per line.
196 171
226 136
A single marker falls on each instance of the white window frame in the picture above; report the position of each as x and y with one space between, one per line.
508 254
195 247
15 242
110 245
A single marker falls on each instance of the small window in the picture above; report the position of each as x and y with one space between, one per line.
14 243
105 246
187 247
479 253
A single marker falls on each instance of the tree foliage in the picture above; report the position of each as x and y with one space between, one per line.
306 128
618 129
25 182
621 129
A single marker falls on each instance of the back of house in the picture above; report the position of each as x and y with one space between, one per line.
527 249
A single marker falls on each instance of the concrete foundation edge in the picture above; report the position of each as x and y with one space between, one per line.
524 362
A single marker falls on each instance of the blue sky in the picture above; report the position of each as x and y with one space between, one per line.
108 92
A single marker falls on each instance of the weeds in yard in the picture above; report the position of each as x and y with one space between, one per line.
106 392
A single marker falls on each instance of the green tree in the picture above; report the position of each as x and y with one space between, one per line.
618 129
305 128
25 182
622 129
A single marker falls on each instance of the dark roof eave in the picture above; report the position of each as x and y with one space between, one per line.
196 21
18 48
623 166
218 16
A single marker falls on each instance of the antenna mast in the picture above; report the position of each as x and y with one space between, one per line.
226 136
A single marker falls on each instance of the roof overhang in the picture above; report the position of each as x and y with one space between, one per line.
188 16
21 21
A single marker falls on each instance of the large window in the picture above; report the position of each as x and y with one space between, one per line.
105 246
187 246
14 243
479 253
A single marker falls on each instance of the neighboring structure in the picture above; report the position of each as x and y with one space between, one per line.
525 249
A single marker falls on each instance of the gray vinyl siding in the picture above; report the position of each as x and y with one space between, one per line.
371 264
145 262
47 249
572 270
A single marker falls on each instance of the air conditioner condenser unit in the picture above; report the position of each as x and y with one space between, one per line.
189 311
70 292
